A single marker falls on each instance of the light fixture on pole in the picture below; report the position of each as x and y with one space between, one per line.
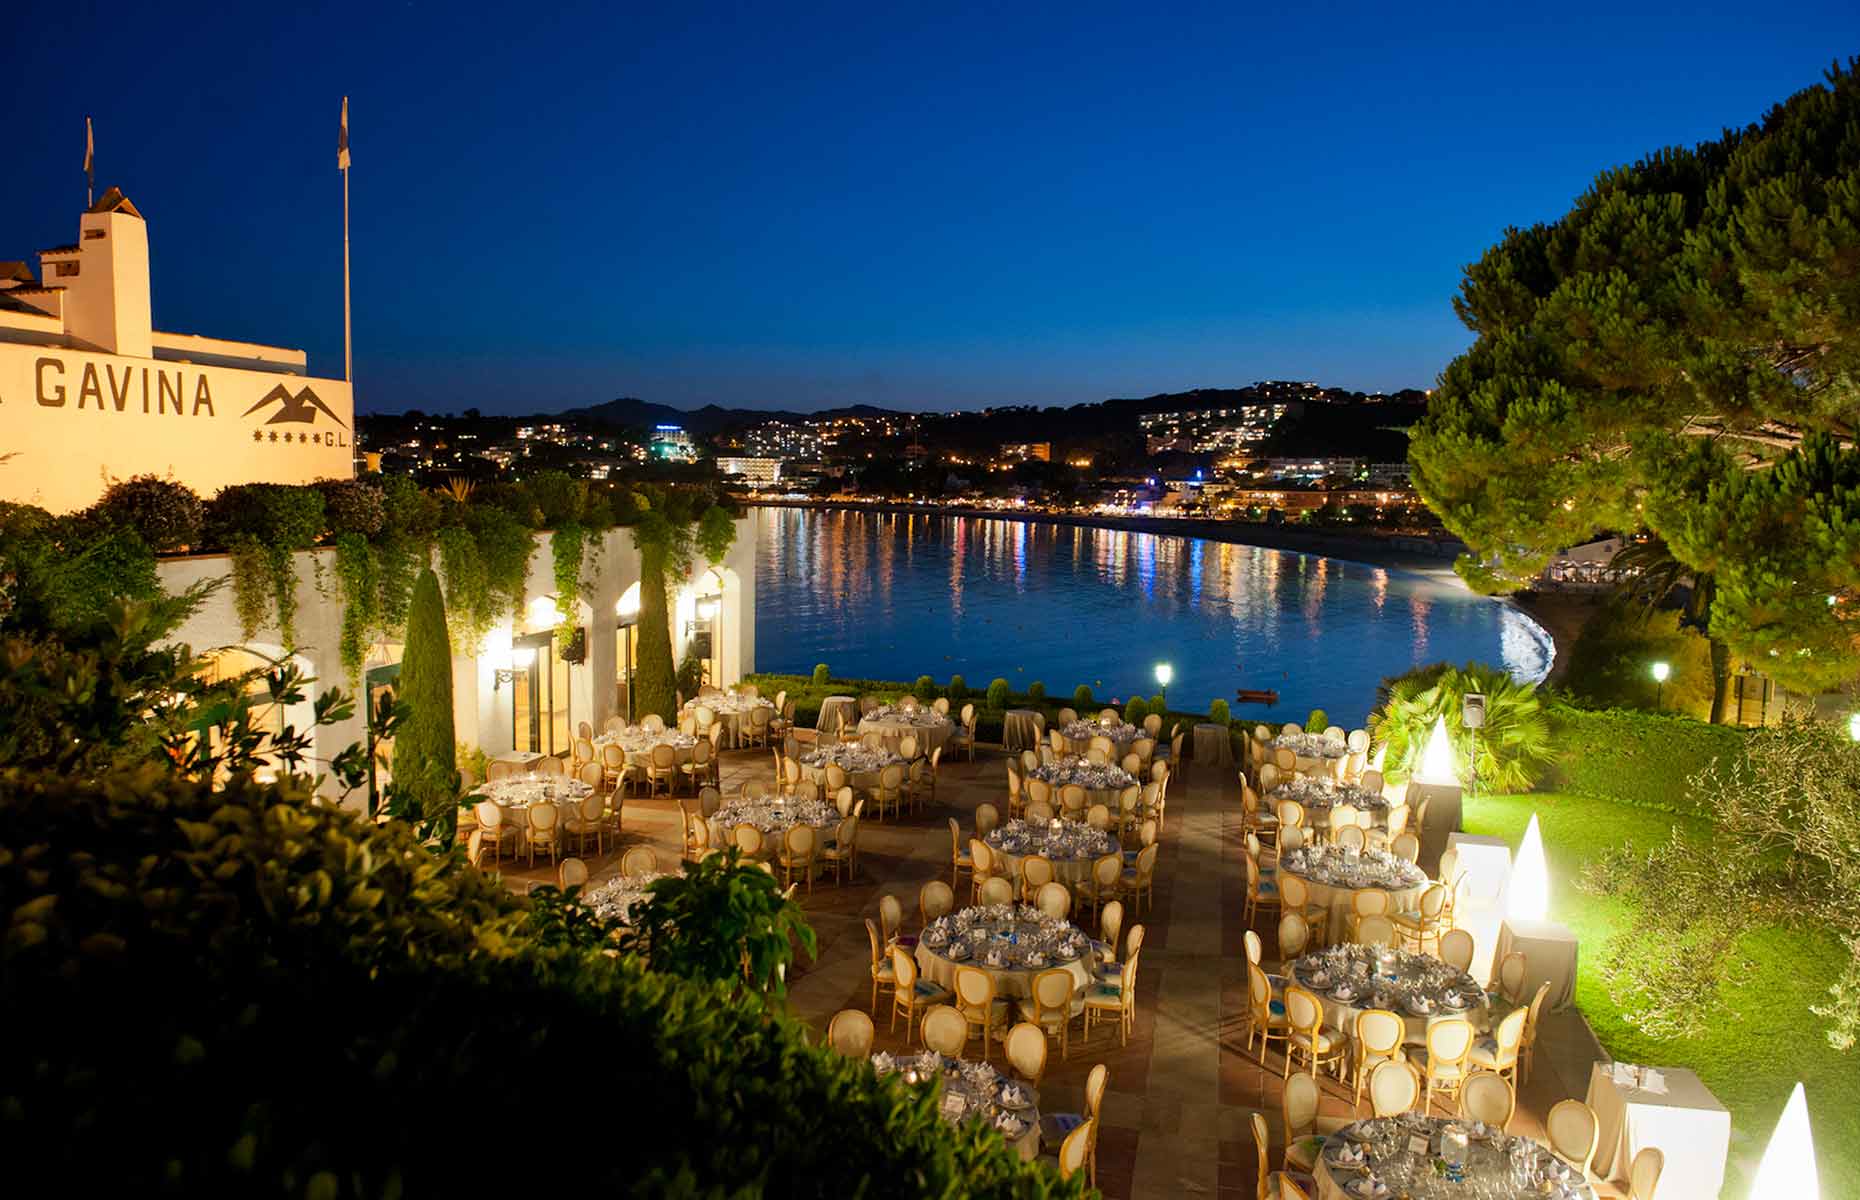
522 658
1787 1171
1661 670
1164 673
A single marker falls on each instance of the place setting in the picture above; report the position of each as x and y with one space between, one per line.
1010 941
972 1091
1414 1157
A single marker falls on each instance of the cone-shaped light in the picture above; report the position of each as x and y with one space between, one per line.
1787 1171
1437 760
1529 895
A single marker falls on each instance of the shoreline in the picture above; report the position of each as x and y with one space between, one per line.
1432 557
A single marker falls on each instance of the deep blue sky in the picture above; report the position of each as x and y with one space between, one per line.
803 205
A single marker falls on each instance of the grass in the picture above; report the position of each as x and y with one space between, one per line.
1766 1041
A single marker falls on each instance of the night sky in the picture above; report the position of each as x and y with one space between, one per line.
803 205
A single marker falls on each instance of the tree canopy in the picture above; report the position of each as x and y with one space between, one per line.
1677 354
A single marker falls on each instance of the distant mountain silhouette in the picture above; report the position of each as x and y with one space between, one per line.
298 408
630 412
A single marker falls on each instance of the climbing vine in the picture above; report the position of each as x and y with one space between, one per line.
568 547
358 576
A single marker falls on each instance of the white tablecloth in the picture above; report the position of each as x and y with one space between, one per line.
1022 729
1688 1124
1069 871
1482 1160
836 711
1015 983
1549 954
929 737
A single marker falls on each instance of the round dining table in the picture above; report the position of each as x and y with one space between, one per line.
999 944
1351 979
1022 729
1009 1106
836 712
862 764
773 816
1078 736
1405 1156
1071 849
1316 756
1102 785
1334 876
638 744
732 712
931 727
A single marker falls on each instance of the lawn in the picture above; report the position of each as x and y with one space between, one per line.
1767 1041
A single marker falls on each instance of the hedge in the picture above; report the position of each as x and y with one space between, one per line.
1633 757
207 976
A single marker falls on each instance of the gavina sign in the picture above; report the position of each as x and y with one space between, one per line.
73 420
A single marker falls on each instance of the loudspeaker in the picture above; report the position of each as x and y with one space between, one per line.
1472 710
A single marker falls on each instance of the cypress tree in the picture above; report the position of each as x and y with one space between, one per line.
656 687
425 748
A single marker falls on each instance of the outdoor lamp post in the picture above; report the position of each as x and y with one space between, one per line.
1164 673
1660 671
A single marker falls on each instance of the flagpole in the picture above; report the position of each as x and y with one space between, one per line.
348 351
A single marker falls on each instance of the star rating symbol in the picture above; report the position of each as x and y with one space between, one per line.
258 435
274 435
318 439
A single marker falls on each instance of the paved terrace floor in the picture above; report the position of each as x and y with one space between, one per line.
1176 1114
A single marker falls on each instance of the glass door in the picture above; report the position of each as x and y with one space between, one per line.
539 702
626 661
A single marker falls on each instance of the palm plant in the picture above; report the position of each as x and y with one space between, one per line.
1512 747
723 920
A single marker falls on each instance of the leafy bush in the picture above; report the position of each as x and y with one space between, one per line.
1135 710
65 572
1514 747
723 922
690 674
1081 697
280 953
1219 713
958 690
998 694
1158 704
1610 664
263 525
165 514
822 677
1638 758
1318 721
1036 693
924 689
557 497
425 751
353 506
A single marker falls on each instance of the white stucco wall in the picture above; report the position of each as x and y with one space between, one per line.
482 712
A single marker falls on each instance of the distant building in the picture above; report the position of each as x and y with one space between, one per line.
1210 430
1391 474
673 443
757 472
1310 470
1027 452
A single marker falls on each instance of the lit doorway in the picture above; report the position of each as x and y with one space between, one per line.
540 718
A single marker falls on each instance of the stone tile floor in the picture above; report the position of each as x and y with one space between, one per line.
1176 1113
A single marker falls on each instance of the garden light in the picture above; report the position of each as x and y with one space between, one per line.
1529 895
1437 760
1787 1171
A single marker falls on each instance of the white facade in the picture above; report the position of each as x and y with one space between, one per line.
758 471
92 391
483 706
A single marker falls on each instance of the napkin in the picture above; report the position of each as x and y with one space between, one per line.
1350 1155
1367 1188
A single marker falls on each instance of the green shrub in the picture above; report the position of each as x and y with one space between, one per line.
353 506
203 968
426 749
1514 747
1318 721
165 514
1639 758
1135 710
654 686
1081 697
821 676
924 689
998 694
556 497
1611 662
1036 693
1158 704
1219 713
958 690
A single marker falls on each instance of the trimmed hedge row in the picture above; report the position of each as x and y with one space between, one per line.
247 993
1632 757
808 691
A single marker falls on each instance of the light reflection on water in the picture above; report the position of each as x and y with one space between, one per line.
892 597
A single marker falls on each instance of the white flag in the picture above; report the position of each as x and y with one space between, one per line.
342 139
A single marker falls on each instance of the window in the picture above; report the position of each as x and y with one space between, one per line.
67 268
92 234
